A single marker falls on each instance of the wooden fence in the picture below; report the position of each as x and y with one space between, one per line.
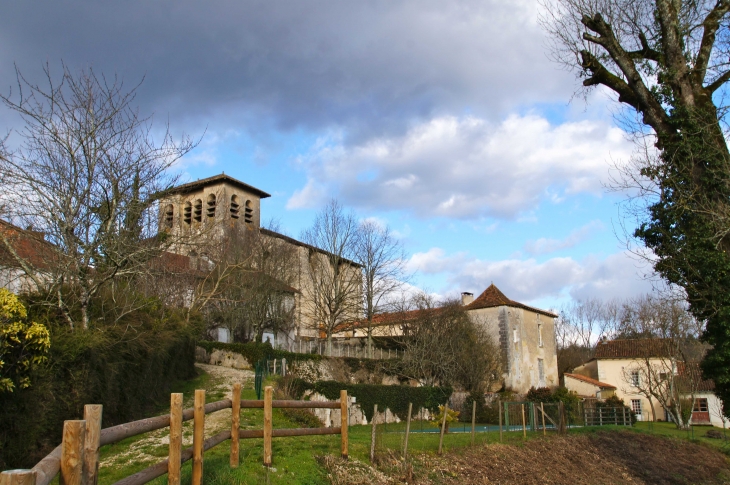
77 457
601 416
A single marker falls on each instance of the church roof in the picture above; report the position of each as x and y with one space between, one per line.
216 179
493 297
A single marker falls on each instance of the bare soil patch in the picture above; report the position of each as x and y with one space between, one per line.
598 459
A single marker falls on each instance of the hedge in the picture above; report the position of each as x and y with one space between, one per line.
128 368
395 398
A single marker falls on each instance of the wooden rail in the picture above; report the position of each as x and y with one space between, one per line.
77 458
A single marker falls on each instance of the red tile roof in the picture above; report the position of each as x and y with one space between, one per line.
589 380
689 378
28 244
492 297
633 348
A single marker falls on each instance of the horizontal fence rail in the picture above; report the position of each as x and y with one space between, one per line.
76 459
602 416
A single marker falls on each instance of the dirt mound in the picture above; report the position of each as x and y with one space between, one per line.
602 458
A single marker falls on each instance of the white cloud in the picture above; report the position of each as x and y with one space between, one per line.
547 245
466 167
619 275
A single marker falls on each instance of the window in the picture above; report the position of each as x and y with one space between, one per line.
169 215
248 213
541 372
515 337
701 405
198 210
235 207
210 211
635 378
539 334
636 406
188 212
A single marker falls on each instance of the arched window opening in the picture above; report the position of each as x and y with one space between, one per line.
188 212
235 207
198 210
248 217
169 215
210 212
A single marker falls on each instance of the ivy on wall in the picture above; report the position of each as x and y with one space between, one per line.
395 398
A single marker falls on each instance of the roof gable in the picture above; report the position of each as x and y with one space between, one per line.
216 179
493 297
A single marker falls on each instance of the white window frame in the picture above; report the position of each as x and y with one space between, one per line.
636 407
540 342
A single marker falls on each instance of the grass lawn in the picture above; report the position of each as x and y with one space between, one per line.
294 457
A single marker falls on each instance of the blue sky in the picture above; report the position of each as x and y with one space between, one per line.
445 120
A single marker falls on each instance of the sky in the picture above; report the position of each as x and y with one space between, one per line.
446 121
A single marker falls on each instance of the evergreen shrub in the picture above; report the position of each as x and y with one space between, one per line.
127 367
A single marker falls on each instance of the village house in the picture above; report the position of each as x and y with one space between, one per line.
620 367
524 335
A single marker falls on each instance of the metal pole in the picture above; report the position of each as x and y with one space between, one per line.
499 409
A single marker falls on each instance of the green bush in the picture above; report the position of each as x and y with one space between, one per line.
395 398
542 394
127 367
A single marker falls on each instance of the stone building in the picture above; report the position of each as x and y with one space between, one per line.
208 210
526 337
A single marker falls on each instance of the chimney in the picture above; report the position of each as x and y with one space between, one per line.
467 298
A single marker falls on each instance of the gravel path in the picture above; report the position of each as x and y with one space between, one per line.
152 447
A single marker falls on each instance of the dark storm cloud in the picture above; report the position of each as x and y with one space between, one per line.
370 66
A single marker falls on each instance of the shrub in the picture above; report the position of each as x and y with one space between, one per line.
125 367
541 394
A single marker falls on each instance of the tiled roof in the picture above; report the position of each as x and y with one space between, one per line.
689 378
199 184
589 380
29 246
492 297
632 348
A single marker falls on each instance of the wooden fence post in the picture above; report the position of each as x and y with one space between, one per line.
443 426
561 409
198 435
345 422
268 392
408 431
72 452
92 416
372 435
473 420
499 409
175 447
17 477
235 423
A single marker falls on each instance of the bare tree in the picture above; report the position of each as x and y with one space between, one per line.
666 61
445 346
87 174
258 294
666 369
334 279
383 265
579 327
